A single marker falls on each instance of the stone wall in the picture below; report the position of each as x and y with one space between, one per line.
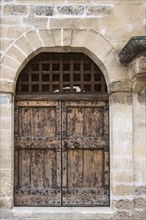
99 28
139 156
116 20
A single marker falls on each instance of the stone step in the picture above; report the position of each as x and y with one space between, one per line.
61 213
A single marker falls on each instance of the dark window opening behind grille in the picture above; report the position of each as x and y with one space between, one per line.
61 73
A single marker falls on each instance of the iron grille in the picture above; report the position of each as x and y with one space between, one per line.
61 73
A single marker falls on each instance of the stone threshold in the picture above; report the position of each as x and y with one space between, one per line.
62 213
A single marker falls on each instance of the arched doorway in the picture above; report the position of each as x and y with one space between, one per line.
61 133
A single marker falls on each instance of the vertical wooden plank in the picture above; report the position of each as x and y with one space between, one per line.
58 121
97 168
64 170
57 164
25 157
79 121
52 128
49 122
106 120
97 121
58 125
37 168
64 134
69 121
93 168
20 168
87 122
87 168
93 121
37 121
75 121
50 167
45 122
106 168
75 168
16 154
25 122
16 167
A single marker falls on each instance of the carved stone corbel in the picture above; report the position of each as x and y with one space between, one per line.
133 55
137 73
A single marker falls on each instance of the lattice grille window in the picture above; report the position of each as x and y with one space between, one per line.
61 73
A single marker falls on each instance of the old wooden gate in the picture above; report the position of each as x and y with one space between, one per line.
61 134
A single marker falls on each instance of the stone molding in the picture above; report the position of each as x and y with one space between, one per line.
120 98
60 40
6 87
134 46
120 86
49 10
137 72
134 55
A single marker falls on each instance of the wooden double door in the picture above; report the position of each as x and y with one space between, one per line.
61 153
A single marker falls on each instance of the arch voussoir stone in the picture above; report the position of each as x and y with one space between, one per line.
67 37
24 45
47 38
34 39
89 42
57 37
10 62
16 53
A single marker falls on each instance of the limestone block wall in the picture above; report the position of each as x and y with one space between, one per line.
99 28
121 155
139 154
6 149
116 20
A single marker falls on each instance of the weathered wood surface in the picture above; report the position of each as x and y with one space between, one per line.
61 153
74 97
85 153
87 197
38 153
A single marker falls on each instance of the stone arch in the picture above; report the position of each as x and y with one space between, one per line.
60 40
